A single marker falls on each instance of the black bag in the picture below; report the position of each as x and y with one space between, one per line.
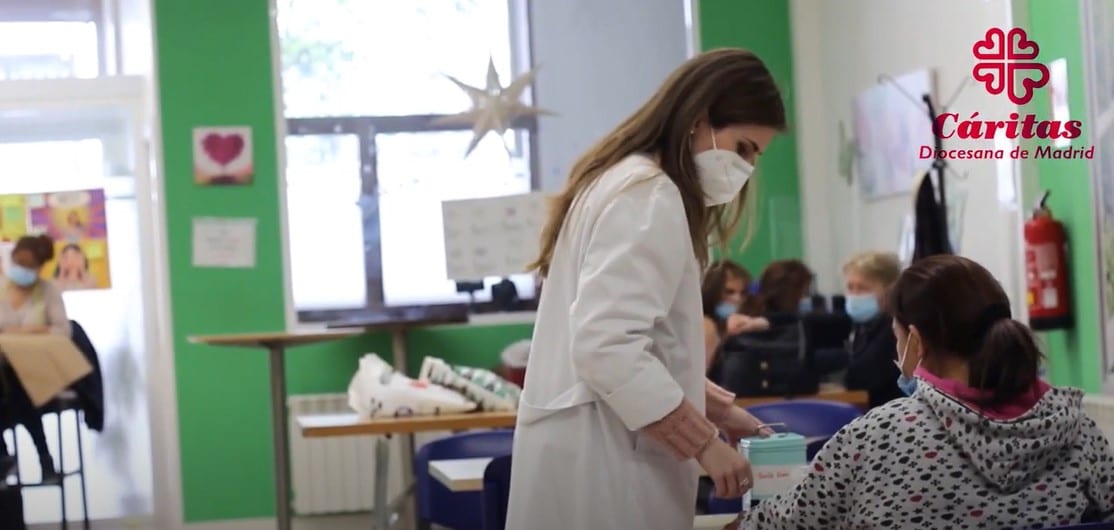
777 362
11 509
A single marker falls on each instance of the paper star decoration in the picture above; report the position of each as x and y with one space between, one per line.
494 107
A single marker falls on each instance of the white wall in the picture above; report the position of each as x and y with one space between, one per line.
598 62
840 49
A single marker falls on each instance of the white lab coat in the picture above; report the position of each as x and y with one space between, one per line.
617 345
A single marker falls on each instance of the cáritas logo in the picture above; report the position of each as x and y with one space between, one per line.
1006 62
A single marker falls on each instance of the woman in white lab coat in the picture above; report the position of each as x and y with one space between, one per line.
613 420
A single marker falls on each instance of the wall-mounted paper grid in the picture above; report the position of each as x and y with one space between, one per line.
497 236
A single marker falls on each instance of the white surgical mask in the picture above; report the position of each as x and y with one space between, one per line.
900 362
722 174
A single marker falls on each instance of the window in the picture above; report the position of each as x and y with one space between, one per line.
367 166
49 39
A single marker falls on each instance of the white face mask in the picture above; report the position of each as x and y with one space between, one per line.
722 174
900 362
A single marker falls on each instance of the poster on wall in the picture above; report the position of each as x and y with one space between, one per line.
222 156
13 217
1098 39
890 127
76 221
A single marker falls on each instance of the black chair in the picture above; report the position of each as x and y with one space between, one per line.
64 402
86 400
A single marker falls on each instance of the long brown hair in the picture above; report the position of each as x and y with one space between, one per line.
715 281
960 310
780 288
727 87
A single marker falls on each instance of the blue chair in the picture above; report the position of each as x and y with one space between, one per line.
435 503
815 419
497 492
717 505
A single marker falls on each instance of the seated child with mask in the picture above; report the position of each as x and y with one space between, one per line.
867 277
981 443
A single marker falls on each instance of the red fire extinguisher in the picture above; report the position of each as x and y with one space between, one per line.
1046 270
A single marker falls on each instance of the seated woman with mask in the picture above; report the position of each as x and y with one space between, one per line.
868 276
724 289
783 292
982 443
28 305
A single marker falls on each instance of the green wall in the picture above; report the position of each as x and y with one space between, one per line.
214 62
762 26
1074 356
215 69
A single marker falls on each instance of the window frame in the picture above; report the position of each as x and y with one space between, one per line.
46 11
366 128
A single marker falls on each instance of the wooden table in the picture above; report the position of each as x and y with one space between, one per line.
467 474
460 475
329 425
858 398
276 344
713 522
397 324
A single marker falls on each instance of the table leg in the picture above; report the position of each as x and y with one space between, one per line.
399 347
383 511
278 415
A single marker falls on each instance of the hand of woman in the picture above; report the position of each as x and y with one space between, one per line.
743 324
740 424
727 468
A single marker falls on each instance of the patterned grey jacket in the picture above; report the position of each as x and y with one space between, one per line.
934 461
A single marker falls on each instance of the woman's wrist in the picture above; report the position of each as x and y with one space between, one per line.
718 402
685 431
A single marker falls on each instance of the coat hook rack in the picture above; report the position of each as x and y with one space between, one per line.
925 103
888 79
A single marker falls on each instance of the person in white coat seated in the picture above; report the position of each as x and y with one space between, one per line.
616 414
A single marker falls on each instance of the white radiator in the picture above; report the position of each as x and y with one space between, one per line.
335 475
1101 409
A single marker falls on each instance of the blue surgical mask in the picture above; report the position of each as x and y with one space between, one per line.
725 310
908 385
22 276
862 307
805 306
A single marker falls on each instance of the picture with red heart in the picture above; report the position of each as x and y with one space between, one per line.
222 156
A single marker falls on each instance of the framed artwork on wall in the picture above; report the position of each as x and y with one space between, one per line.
890 126
1098 50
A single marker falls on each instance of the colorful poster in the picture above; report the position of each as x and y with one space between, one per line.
76 221
13 217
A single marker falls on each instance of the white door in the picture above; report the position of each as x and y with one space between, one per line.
86 135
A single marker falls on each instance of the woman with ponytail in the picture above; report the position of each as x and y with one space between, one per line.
982 442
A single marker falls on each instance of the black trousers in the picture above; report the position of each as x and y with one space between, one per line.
16 409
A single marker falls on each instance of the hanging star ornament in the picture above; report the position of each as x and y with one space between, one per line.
494 108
